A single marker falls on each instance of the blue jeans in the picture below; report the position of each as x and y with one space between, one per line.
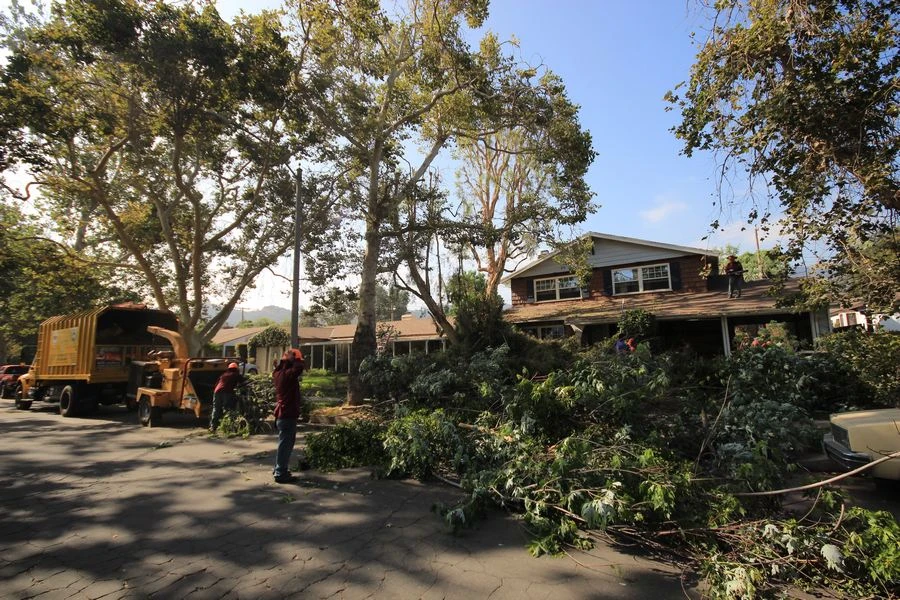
222 401
734 285
287 435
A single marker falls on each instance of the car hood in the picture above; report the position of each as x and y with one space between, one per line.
866 417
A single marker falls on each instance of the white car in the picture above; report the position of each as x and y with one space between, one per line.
859 437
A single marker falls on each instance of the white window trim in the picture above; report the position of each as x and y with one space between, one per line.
640 279
555 287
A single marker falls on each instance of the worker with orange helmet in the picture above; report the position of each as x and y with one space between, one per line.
224 397
288 401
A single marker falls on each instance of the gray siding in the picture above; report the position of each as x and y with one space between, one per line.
612 253
609 253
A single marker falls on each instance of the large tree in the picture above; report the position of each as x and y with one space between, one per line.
804 97
41 279
160 139
523 186
337 305
382 81
391 302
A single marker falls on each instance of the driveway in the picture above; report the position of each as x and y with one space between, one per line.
102 508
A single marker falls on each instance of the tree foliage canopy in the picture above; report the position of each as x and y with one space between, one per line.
521 186
160 139
41 280
396 87
805 97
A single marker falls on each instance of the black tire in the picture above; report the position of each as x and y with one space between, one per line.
2 390
131 405
149 416
21 402
68 402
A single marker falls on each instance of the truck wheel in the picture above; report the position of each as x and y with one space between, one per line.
68 403
21 402
2 390
150 416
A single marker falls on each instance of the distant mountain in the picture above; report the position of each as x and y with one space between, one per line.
276 313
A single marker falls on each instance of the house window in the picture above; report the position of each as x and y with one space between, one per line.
556 288
633 280
546 332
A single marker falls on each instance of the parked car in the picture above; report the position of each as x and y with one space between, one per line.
9 375
859 437
245 368
248 369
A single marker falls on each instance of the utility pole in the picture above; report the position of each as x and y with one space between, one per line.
295 296
759 261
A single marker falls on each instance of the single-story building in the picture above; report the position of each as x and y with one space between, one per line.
231 337
329 347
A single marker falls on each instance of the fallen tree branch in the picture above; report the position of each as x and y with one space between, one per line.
447 481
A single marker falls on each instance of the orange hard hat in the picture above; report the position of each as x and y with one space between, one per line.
233 365
294 353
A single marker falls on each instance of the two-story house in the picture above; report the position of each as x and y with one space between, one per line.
679 285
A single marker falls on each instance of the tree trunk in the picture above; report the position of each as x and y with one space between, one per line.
364 344
192 338
433 306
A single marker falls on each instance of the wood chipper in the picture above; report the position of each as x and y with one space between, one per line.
173 380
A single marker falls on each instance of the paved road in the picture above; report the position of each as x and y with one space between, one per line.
102 508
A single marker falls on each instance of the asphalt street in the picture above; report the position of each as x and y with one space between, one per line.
99 507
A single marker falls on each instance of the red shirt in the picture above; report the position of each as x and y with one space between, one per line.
287 389
228 380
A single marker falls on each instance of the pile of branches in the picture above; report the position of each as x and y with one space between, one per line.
632 449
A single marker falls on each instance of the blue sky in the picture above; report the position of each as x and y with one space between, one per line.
617 60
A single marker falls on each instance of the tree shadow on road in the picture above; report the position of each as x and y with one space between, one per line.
103 506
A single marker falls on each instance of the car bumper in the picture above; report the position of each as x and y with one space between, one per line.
843 455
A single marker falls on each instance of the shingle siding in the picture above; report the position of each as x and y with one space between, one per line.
519 288
688 269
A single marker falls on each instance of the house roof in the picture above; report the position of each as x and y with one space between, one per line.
314 334
754 300
615 238
859 305
407 330
235 335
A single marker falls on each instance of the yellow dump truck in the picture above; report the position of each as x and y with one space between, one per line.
85 359
173 380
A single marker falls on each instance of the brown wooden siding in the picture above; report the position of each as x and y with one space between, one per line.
689 267
519 289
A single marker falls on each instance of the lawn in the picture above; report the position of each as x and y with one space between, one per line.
318 382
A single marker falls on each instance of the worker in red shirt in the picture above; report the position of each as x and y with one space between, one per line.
224 397
287 410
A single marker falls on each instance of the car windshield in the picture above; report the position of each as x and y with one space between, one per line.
15 370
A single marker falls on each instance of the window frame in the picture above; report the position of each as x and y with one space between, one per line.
556 288
640 279
547 332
